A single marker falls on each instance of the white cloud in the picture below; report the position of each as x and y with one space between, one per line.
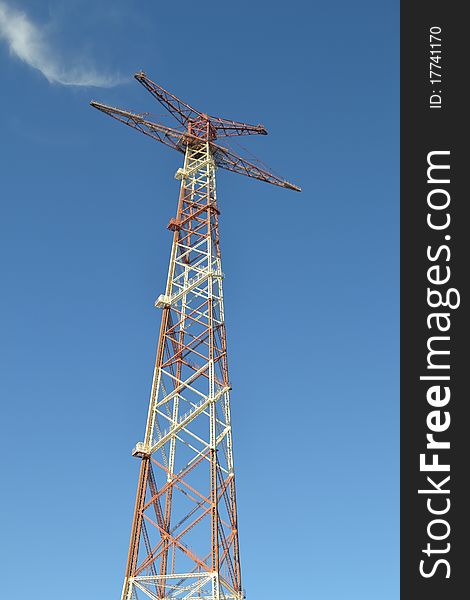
28 43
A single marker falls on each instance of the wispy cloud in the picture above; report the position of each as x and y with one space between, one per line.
27 41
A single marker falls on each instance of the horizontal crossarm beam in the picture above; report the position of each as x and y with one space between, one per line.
182 111
227 128
226 159
167 135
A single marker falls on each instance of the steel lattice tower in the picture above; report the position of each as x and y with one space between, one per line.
184 539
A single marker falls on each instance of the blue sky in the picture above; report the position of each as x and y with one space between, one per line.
311 285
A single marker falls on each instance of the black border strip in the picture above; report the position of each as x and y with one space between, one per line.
429 255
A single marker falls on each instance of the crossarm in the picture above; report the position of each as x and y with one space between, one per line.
182 112
227 128
168 136
232 162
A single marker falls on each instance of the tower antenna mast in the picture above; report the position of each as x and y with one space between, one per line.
184 537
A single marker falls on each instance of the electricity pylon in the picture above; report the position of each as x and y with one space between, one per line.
184 538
